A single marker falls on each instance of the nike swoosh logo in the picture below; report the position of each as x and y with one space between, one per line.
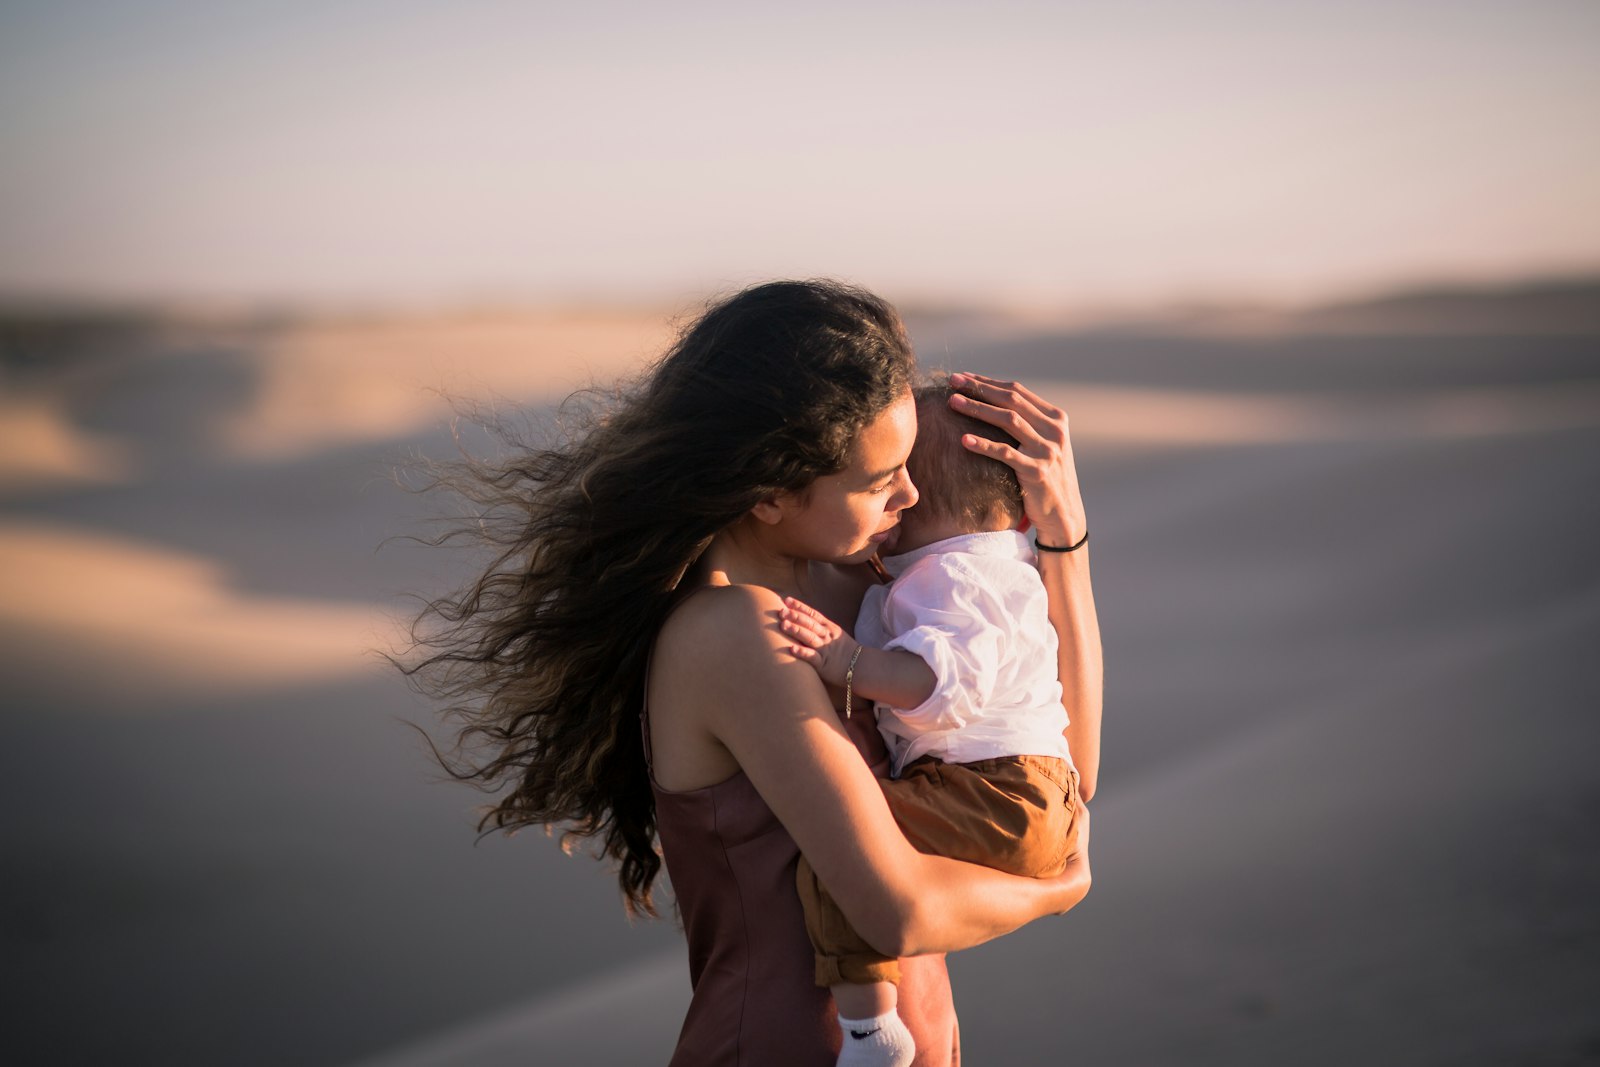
859 1034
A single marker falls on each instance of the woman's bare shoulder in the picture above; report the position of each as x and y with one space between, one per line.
720 655
706 646
719 617
722 642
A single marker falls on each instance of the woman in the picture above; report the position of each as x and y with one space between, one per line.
623 667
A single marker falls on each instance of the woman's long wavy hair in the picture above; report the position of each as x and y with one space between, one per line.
541 659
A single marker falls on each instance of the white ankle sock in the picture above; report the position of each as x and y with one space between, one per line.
880 1042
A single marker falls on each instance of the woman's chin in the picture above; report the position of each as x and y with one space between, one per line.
878 544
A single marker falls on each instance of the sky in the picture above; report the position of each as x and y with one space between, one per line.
1021 152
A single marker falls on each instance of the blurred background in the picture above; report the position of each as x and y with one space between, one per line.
1319 286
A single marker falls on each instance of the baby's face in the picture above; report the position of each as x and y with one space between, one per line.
921 526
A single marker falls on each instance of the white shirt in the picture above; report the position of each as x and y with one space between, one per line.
974 608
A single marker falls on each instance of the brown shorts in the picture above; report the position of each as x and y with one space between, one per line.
1018 814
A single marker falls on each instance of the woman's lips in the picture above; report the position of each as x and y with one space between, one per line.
887 538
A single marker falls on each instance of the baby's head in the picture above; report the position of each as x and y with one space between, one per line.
961 492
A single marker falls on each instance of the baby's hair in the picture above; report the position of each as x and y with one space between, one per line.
955 483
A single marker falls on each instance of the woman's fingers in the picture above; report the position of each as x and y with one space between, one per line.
1042 456
993 400
979 383
1011 406
994 450
1011 420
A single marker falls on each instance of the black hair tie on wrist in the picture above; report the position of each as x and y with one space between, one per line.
1042 547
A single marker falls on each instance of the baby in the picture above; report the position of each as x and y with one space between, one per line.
960 657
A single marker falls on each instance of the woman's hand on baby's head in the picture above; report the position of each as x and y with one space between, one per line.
818 640
1043 456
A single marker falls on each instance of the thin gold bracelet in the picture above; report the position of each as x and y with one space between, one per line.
850 678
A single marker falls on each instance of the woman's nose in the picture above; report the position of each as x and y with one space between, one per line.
907 494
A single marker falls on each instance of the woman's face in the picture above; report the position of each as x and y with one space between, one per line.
846 517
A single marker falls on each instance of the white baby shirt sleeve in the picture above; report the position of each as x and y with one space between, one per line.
943 612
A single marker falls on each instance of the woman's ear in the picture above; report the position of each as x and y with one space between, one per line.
773 509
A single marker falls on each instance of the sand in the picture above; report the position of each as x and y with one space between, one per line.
1347 810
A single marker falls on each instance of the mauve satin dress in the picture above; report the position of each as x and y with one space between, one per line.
732 866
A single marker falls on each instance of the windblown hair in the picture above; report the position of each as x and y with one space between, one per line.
541 659
953 482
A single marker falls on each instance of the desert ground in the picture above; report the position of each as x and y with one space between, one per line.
1345 569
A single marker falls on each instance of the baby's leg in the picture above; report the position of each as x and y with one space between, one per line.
1014 813
873 1035
861 979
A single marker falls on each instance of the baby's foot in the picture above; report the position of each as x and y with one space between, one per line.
880 1042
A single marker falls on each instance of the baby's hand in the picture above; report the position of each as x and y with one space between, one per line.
820 641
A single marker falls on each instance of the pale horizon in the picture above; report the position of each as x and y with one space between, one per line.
1030 156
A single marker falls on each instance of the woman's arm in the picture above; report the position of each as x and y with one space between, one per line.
1049 477
729 657
1066 579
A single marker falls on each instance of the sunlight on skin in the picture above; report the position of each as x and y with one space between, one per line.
156 620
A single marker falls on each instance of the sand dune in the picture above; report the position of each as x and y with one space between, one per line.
1349 596
270 393
267 393
39 446
1175 417
155 621
326 384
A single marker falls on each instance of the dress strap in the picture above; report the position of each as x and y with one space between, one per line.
644 711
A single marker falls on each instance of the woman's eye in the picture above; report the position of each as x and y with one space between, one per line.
884 488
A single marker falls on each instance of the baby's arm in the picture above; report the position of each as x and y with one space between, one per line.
897 677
